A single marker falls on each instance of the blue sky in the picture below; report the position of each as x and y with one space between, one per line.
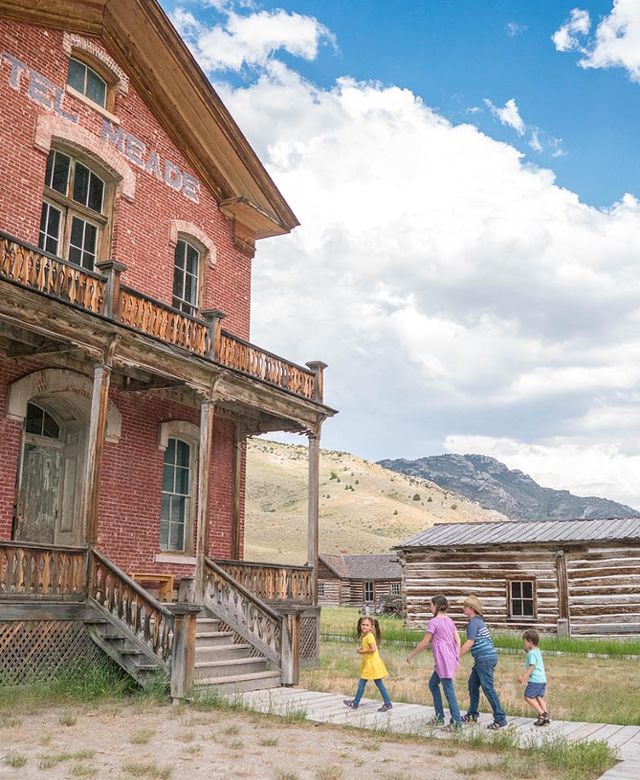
466 175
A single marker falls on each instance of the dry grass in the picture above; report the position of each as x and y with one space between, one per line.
142 736
611 695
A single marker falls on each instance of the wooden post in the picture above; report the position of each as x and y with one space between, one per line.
95 445
207 414
290 644
318 367
183 654
238 452
213 318
112 270
313 511
564 617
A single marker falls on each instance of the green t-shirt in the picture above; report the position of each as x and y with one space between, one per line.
534 658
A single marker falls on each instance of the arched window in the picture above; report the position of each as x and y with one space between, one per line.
186 276
177 496
73 220
40 423
87 82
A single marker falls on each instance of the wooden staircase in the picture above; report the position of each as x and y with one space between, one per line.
228 664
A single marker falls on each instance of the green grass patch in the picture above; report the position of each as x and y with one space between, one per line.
15 760
147 769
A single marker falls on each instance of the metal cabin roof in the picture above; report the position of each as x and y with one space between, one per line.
525 532
364 567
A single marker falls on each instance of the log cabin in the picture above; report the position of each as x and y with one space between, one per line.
569 577
130 208
357 580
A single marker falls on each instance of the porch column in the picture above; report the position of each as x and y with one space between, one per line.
95 444
207 414
313 509
238 451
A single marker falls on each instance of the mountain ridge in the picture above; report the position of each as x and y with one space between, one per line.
492 485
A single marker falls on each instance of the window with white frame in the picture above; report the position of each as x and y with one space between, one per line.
85 80
177 484
321 589
368 591
72 217
395 588
522 602
186 276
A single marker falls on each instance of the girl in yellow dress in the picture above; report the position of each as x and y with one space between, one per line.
371 666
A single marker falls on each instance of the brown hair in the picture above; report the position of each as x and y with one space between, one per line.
532 636
440 603
374 623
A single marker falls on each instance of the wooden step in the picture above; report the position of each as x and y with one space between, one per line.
230 667
256 681
222 652
213 638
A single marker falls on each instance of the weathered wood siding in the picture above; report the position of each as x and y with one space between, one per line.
604 589
485 574
597 588
332 586
353 592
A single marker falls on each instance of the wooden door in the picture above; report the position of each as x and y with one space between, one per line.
69 522
38 505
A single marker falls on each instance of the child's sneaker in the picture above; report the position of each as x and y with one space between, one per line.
468 718
435 721
385 707
350 703
495 726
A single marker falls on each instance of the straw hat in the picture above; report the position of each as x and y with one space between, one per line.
475 604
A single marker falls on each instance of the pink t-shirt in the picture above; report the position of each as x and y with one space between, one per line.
443 643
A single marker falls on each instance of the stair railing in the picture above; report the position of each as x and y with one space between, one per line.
113 590
40 572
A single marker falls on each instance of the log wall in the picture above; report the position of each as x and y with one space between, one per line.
596 588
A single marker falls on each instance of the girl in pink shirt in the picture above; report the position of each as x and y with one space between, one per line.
444 639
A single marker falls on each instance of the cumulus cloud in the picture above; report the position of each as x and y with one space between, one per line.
508 115
513 29
450 286
250 39
615 44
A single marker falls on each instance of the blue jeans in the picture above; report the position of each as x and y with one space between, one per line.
449 692
481 677
362 684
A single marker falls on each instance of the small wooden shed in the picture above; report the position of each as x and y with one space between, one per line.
575 577
354 580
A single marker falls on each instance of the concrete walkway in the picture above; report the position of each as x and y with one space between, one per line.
412 719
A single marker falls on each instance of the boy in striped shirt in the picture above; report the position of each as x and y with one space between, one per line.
485 659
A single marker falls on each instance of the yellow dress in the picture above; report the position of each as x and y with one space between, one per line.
372 666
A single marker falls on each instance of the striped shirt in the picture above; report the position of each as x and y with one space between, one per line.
482 643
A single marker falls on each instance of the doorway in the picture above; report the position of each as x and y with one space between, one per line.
49 490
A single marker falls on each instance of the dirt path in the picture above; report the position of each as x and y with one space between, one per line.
154 741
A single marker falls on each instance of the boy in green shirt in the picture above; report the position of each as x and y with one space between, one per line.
535 677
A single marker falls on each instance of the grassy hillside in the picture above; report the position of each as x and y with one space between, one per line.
364 508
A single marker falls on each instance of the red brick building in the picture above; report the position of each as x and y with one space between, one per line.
130 207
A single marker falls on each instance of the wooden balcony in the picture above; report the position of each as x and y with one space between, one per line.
102 294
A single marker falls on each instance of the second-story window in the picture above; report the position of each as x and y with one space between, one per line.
72 217
87 82
186 272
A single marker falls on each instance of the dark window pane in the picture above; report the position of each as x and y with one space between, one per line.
51 246
167 478
75 76
182 452
81 184
50 427
190 288
527 590
164 522
170 452
96 193
527 608
182 481
178 282
193 258
90 235
75 255
77 232
34 418
515 590
176 538
96 88
49 169
53 225
179 254
57 172
517 607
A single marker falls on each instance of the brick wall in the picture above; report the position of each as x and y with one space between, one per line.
140 228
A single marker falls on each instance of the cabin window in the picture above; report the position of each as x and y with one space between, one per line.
186 273
395 588
368 590
522 599
87 82
177 485
72 220
321 589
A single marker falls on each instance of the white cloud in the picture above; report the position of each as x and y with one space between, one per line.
513 29
586 470
615 44
567 37
251 39
509 115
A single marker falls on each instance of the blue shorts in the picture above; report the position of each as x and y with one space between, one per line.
535 690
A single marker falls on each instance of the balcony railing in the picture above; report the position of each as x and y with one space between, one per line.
272 581
102 293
